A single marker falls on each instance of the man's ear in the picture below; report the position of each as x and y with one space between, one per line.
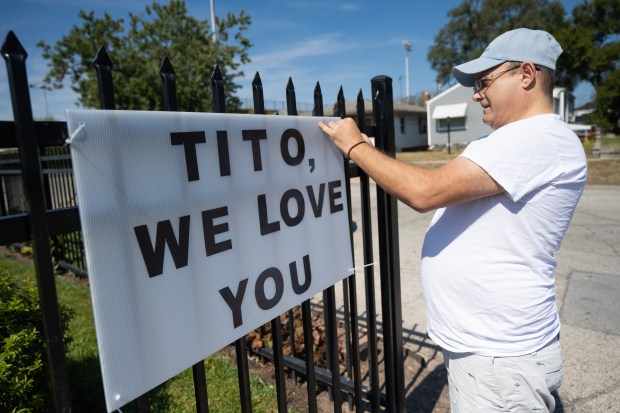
528 75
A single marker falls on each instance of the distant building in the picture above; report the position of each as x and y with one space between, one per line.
409 123
583 110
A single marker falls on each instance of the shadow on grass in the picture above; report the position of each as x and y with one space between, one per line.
86 385
87 389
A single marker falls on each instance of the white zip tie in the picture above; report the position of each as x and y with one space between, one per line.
117 397
75 133
361 266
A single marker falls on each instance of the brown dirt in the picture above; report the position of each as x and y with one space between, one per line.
424 374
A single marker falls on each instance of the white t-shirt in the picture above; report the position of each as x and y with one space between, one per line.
487 265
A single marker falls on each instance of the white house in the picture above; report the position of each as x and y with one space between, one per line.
453 114
409 123
453 117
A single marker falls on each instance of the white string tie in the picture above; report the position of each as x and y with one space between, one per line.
74 135
361 267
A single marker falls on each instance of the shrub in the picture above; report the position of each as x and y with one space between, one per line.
24 373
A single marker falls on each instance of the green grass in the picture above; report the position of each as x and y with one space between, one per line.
176 395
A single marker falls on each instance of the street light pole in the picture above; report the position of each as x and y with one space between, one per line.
213 21
44 88
407 47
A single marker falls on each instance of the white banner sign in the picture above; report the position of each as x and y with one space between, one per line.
199 228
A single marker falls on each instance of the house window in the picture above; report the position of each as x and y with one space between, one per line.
402 125
455 124
421 126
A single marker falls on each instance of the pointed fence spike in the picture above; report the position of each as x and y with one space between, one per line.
217 73
12 45
103 65
318 101
257 80
361 111
217 88
291 101
166 67
169 89
257 94
339 107
103 58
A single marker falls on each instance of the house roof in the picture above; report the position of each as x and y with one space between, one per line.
351 109
401 108
587 106
445 92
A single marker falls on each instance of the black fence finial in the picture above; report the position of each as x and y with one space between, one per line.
291 100
257 93
318 101
361 111
12 45
103 66
340 107
169 88
217 87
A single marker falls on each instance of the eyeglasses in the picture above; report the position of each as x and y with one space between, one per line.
480 84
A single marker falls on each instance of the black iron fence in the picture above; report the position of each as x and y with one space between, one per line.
38 205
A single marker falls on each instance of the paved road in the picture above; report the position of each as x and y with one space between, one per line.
588 290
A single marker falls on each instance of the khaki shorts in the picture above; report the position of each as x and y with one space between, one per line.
504 384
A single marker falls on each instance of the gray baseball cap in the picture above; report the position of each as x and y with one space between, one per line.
519 45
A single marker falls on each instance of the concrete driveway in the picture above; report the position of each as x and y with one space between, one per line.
588 290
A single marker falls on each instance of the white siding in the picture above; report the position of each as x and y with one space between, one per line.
413 137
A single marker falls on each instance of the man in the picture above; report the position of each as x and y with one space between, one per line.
503 207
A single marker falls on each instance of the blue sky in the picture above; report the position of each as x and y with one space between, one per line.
338 43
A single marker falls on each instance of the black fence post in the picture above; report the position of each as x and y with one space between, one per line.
350 296
276 326
168 76
369 273
387 212
291 109
243 368
15 57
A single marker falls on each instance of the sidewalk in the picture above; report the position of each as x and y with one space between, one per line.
588 291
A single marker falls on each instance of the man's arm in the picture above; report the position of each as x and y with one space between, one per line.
460 180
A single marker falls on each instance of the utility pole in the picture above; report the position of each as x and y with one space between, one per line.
407 47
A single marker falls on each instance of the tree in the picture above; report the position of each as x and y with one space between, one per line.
164 30
475 23
591 39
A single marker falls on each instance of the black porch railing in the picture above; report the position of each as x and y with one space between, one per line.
46 209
